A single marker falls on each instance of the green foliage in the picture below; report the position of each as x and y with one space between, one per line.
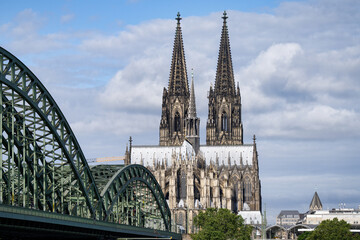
332 230
304 236
220 224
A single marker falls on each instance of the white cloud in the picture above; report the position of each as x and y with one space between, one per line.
295 94
312 122
126 124
275 59
67 18
132 42
23 34
138 85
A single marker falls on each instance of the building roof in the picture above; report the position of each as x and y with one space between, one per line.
148 155
224 154
251 217
288 212
315 203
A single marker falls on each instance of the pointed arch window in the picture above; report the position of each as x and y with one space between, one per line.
247 190
224 122
177 122
195 128
234 197
222 205
181 185
191 127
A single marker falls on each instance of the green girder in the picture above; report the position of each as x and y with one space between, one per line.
44 168
136 176
40 115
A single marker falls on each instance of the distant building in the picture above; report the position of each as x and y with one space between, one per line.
288 217
316 213
349 215
224 173
107 160
290 224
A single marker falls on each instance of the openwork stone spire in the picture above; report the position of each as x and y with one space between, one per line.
176 98
178 82
224 126
224 81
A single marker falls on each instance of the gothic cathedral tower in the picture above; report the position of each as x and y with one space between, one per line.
176 98
224 126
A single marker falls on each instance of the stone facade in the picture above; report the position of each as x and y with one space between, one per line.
224 173
190 185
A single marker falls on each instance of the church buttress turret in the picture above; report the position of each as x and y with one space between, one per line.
192 122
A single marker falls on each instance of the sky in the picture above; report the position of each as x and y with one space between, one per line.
297 64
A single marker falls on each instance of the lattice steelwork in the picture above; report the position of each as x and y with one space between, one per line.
133 196
42 166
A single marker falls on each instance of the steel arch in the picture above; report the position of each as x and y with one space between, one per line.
40 148
42 166
136 182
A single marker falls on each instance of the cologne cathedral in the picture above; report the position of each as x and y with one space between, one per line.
224 173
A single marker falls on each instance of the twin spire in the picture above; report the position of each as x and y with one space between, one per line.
178 119
224 81
178 82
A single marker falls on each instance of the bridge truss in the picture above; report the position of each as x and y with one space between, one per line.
42 166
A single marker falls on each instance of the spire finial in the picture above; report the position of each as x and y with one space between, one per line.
178 18
224 16
254 138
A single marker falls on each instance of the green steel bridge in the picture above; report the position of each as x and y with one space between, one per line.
47 188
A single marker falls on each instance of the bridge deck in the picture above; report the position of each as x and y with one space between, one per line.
22 223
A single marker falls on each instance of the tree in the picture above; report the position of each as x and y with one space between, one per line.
304 236
332 230
220 224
